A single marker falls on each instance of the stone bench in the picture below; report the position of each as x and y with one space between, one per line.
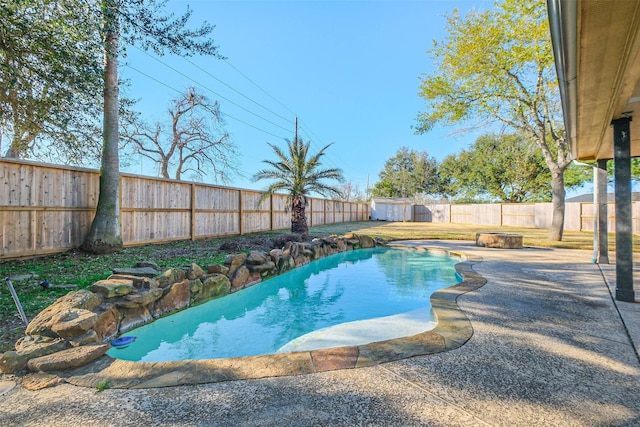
499 240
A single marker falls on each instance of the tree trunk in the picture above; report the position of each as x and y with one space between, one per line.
557 201
104 235
164 168
298 217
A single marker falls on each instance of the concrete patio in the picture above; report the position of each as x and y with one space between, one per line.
549 347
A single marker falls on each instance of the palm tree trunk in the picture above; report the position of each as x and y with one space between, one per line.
298 215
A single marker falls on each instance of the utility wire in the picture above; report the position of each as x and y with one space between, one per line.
304 130
258 86
179 91
235 90
241 173
234 103
211 90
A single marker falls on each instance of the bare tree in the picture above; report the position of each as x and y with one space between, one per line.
351 192
194 139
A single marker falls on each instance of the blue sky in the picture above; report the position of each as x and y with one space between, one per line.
349 69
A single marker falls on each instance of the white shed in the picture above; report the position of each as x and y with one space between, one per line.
391 209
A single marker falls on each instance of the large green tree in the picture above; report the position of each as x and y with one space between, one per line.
408 173
497 168
148 25
298 173
496 66
50 78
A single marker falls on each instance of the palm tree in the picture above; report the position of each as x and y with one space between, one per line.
298 176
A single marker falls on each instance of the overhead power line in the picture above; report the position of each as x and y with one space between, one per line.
211 90
179 91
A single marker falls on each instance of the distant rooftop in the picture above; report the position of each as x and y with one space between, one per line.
588 197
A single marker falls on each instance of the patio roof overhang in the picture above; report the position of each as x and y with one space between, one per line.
596 44
597 49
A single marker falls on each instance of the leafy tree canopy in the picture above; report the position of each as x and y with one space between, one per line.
497 66
408 173
500 168
298 174
50 78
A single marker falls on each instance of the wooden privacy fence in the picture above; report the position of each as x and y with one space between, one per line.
49 208
577 217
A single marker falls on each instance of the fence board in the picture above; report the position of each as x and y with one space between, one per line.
518 215
462 214
48 208
572 216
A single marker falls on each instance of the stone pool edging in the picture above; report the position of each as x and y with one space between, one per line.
78 327
452 331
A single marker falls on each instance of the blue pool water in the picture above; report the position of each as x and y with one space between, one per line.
346 287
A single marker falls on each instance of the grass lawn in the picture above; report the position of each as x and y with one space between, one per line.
82 270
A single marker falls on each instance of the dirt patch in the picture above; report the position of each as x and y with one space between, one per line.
12 330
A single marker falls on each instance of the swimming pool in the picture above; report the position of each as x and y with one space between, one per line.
281 314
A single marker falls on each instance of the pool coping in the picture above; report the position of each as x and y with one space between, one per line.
452 331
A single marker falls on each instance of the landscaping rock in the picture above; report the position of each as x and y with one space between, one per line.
217 269
291 249
239 278
149 264
81 299
28 348
33 343
176 299
275 255
499 240
286 263
11 362
138 282
353 243
256 258
366 242
110 288
108 322
195 287
137 271
133 318
233 262
67 359
267 266
194 271
173 275
73 322
138 298
213 286
90 337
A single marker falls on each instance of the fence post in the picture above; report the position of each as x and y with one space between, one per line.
193 211
324 212
240 212
271 209
119 206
